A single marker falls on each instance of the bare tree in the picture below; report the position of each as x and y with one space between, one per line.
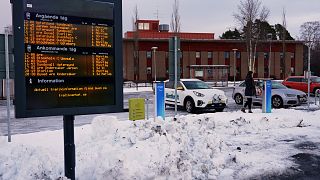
310 33
248 12
135 19
175 18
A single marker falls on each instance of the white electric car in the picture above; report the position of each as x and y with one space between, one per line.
195 94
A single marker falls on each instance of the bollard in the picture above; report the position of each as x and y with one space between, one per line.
147 101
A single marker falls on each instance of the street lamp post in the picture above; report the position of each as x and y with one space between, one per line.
154 61
309 74
234 66
155 82
269 63
7 31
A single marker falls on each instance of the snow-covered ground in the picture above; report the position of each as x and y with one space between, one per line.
228 145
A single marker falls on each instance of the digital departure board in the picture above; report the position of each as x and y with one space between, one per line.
69 57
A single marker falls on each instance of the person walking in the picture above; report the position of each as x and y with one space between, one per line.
249 92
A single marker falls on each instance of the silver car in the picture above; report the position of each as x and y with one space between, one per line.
281 95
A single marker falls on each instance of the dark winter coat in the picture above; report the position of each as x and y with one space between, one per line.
250 86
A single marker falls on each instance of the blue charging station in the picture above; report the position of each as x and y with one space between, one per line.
160 98
267 93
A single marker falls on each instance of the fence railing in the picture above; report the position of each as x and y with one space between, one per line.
131 84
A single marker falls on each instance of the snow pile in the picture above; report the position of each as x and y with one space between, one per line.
228 145
20 161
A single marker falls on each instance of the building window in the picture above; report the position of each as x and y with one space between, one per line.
266 64
238 70
227 55
198 55
293 64
135 54
198 73
143 26
140 26
149 55
238 55
146 26
210 55
281 55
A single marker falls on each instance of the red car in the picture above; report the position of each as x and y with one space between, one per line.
300 83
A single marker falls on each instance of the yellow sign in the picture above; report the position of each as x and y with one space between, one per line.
136 109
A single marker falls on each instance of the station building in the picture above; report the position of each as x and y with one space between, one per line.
202 50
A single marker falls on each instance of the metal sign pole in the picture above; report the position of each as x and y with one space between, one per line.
234 66
269 62
155 82
155 102
308 75
7 79
175 75
69 147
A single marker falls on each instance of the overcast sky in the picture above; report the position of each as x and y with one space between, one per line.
213 16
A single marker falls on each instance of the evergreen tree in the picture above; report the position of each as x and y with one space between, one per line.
279 30
231 34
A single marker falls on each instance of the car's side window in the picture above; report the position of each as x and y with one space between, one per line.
259 83
290 80
243 84
179 86
294 80
170 85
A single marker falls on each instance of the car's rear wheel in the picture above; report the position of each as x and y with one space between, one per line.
277 102
189 105
238 99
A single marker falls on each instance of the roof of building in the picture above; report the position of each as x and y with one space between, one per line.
154 33
167 35
151 29
213 40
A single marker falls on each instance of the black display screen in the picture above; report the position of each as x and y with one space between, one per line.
69 54
68 60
